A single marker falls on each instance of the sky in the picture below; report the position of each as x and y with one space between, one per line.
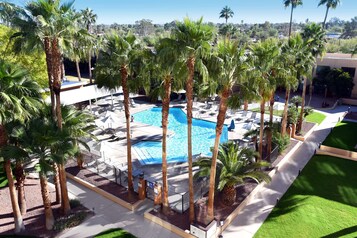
248 11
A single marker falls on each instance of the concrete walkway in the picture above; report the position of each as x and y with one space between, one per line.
111 215
254 214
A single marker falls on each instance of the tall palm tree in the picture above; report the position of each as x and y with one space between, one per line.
19 99
89 18
226 13
234 166
114 69
329 4
193 42
264 56
293 4
166 64
228 68
314 36
45 24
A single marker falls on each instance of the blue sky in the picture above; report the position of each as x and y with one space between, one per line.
250 11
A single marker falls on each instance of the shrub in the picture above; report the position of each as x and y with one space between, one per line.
74 203
293 115
308 111
281 141
69 221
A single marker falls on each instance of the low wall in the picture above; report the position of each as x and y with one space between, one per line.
349 101
345 154
167 225
103 193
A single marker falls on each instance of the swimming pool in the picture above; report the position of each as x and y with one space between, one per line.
203 135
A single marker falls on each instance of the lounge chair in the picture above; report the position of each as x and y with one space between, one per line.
242 116
252 117
132 103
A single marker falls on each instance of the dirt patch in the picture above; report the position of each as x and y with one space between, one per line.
102 183
285 152
35 218
305 128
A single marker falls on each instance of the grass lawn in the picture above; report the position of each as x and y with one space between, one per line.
315 117
343 136
115 233
322 202
3 179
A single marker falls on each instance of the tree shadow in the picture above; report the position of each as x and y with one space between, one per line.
342 232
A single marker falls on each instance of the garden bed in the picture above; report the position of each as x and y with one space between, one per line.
35 218
102 183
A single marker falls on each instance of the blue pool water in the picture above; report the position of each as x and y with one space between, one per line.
203 135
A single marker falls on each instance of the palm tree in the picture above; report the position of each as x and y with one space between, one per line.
228 68
264 56
314 36
226 13
78 124
114 69
193 43
89 18
45 24
234 166
329 4
294 4
19 99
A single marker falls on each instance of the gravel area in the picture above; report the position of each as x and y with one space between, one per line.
34 218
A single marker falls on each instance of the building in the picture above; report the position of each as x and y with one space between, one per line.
344 61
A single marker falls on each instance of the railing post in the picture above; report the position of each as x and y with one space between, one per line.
182 204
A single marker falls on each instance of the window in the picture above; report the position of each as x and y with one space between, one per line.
350 71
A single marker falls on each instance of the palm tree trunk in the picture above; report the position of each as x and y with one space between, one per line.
124 77
19 223
270 128
65 206
48 53
324 23
56 181
285 113
90 67
261 131
291 19
229 195
302 105
189 95
245 105
46 202
78 71
20 182
212 179
56 71
165 115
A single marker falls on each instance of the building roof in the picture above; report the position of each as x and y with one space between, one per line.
83 94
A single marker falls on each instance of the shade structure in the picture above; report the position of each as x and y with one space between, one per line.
83 94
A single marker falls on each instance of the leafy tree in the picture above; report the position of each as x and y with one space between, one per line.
226 13
34 62
329 4
19 99
293 4
234 166
193 43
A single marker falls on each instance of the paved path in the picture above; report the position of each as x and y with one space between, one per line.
253 215
111 215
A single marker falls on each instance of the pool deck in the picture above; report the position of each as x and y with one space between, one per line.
115 152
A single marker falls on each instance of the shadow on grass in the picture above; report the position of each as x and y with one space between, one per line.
343 136
342 232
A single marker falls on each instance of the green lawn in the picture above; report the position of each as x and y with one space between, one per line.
115 233
315 117
343 136
322 202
